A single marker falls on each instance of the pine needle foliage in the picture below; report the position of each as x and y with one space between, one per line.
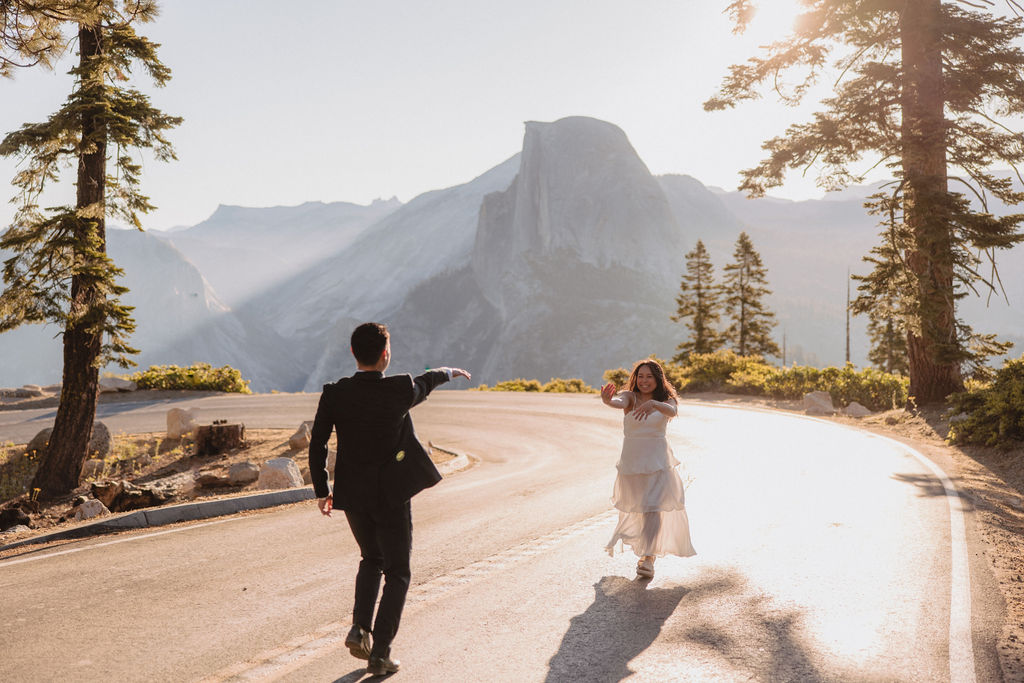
699 304
59 271
745 285
927 88
888 339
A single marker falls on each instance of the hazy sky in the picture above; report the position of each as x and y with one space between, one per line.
336 100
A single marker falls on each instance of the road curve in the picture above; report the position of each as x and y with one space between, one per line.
824 553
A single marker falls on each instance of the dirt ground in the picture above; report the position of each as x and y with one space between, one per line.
991 481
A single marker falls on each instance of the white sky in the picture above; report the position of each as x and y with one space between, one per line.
352 101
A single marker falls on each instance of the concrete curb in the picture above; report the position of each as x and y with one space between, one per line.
460 462
170 514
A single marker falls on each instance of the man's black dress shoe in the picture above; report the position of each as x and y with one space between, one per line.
382 665
358 642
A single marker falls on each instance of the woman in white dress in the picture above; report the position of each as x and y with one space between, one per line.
648 491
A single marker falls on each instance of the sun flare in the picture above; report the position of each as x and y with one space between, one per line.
775 19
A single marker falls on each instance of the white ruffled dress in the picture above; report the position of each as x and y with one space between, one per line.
648 492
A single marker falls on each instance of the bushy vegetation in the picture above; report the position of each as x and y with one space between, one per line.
557 385
618 377
568 386
994 412
730 372
199 376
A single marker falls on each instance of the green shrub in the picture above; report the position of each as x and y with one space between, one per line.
557 385
995 413
715 372
870 387
199 376
518 384
619 377
751 378
793 382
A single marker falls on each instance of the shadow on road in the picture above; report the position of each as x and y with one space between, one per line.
733 622
721 617
927 485
623 621
358 675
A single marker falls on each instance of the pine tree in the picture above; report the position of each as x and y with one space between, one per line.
745 286
699 300
888 343
922 86
886 328
60 272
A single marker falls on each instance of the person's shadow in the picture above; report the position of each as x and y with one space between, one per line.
624 619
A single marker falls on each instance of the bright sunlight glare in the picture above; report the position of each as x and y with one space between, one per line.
774 20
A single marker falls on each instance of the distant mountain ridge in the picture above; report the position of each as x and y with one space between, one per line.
563 260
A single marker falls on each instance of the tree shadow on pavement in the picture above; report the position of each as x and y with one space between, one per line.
927 485
734 624
624 619
725 625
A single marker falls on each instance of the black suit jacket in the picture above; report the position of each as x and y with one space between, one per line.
380 461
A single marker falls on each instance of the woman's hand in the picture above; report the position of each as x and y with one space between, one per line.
607 392
641 412
647 407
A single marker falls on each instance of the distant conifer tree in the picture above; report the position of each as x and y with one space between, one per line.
745 284
699 303
886 328
888 342
921 86
59 271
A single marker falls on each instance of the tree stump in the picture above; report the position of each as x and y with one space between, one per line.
219 437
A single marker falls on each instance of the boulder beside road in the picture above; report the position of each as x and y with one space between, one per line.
180 422
115 384
280 473
99 442
819 403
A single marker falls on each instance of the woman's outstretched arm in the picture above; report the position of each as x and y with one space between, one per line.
622 400
667 408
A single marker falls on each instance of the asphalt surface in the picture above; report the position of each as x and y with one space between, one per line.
823 554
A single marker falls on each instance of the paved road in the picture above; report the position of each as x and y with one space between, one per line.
824 554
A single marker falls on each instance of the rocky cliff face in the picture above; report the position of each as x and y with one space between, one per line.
578 258
581 194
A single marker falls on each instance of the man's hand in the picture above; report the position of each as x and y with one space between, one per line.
459 372
325 505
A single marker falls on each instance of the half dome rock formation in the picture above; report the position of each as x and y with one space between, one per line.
582 195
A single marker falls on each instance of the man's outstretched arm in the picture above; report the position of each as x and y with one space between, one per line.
423 384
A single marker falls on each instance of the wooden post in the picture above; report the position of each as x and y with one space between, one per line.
219 437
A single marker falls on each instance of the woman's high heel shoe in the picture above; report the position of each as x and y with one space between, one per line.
645 568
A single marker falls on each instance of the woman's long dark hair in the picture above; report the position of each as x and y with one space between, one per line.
663 391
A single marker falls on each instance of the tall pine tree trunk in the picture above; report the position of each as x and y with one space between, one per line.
933 375
61 467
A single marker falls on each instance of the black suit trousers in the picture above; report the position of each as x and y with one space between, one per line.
384 535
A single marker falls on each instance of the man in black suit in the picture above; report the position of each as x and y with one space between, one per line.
380 466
